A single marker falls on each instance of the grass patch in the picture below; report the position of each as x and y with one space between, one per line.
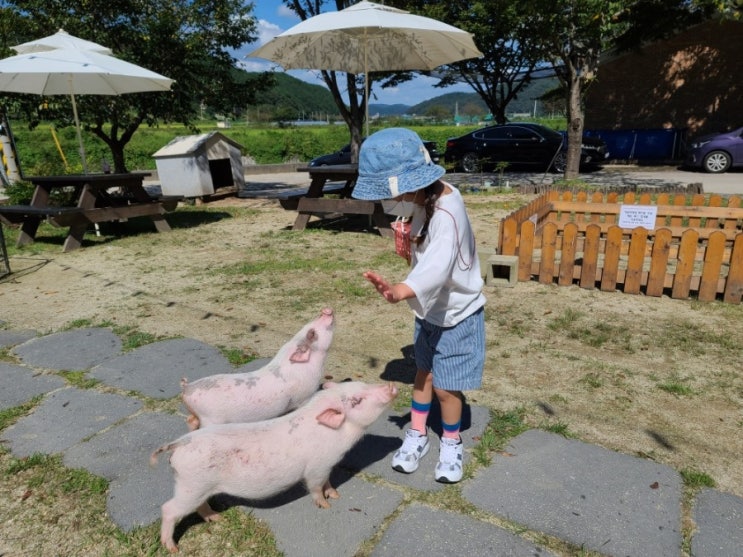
676 386
591 380
6 356
503 426
694 479
48 471
559 428
44 493
236 356
9 416
79 379
595 334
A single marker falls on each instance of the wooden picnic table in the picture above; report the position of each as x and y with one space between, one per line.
336 179
94 203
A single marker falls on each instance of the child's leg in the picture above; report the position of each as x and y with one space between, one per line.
422 397
451 452
451 412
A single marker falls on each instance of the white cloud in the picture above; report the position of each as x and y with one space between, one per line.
285 11
254 65
266 32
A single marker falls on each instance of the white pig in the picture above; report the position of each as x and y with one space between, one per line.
262 459
283 384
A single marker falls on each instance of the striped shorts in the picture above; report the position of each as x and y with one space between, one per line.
455 355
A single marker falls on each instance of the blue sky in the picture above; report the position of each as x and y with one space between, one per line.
274 17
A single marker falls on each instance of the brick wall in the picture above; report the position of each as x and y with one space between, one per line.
692 81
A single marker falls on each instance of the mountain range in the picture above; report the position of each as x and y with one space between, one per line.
306 98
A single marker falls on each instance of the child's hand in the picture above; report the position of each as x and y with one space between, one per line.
393 293
382 286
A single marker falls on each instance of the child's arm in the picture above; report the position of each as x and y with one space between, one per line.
393 293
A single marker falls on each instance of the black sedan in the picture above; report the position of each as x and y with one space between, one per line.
343 156
518 145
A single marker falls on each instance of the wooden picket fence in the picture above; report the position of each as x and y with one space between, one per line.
696 247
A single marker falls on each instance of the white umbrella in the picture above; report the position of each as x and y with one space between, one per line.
60 39
70 71
368 37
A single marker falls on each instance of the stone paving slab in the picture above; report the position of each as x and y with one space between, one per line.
304 530
421 531
19 384
719 522
55 351
11 338
605 501
66 417
127 446
156 369
121 455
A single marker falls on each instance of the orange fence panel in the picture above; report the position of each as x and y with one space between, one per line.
696 245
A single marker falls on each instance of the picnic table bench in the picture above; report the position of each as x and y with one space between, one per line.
94 203
337 179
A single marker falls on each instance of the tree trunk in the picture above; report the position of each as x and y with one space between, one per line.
575 128
117 152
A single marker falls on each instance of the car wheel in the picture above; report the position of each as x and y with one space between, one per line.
470 163
716 162
560 163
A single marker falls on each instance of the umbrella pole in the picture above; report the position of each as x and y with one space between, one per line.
366 85
366 99
79 135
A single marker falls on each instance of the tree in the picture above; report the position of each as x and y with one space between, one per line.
186 40
574 34
503 33
577 32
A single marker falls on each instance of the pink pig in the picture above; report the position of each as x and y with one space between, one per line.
283 384
259 460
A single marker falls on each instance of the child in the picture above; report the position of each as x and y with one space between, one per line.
443 288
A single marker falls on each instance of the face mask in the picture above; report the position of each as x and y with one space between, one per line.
403 209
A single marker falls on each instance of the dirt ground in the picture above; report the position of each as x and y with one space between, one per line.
654 377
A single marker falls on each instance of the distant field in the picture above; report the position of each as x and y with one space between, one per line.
40 154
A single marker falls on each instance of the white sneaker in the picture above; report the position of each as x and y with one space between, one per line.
449 468
414 447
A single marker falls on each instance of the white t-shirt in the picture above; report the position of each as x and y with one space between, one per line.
446 275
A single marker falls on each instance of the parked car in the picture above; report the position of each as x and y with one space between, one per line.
716 152
343 156
519 145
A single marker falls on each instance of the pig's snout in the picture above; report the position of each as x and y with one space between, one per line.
384 393
327 315
390 392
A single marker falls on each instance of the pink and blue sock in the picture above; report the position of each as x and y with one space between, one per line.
451 431
419 416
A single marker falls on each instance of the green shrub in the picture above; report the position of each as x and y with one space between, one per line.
19 193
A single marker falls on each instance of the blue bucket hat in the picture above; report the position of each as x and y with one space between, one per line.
392 162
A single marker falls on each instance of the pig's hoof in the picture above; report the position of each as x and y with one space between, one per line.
323 504
332 493
170 546
207 513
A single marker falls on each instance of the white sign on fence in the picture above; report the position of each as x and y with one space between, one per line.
632 216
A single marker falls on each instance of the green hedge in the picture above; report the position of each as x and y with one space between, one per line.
38 153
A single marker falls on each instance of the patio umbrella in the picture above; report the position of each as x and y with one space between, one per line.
72 71
368 37
60 39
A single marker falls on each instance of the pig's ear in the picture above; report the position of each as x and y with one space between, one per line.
331 417
301 354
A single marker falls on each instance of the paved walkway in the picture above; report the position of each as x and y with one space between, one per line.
582 494
274 184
